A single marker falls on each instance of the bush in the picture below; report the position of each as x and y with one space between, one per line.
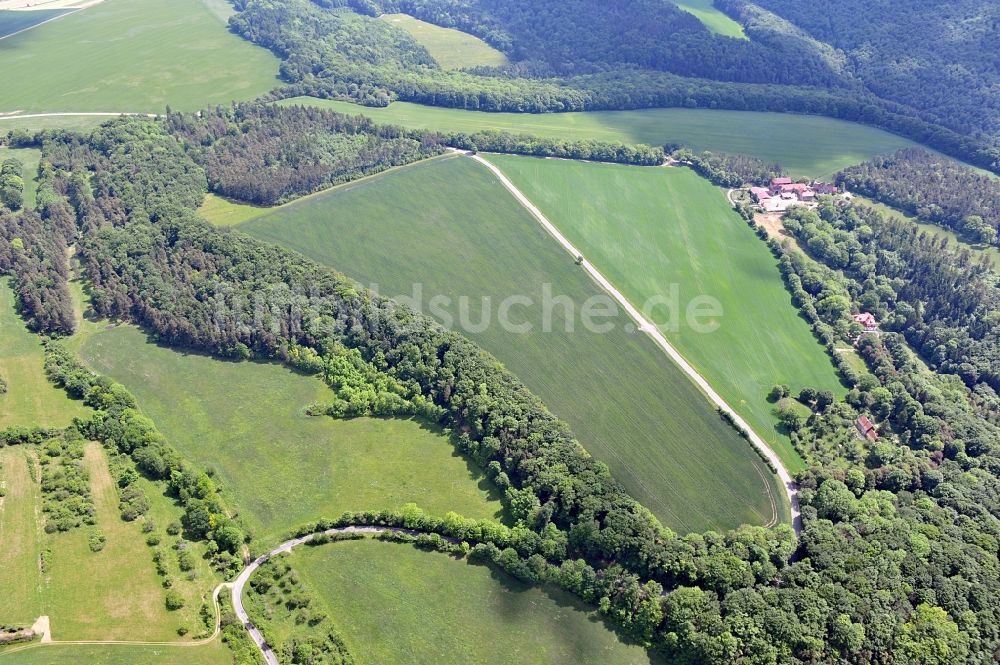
96 541
174 600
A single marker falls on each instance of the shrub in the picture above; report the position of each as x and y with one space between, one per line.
174 600
96 541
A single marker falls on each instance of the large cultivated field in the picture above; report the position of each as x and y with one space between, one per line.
214 653
452 49
30 398
448 230
648 229
132 55
279 467
805 145
395 604
12 22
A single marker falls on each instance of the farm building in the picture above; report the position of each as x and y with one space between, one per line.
867 320
867 428
782 194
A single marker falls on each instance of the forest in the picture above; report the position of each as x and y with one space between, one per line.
934 189
571 58
942 63
898 555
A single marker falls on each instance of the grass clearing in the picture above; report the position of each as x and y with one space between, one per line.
223 212
16 21
653 229
30 158
805 145
280 467
450 226
395 604
214 653
30 398
452 49
113 594
75 123
714 19
20 589
133 56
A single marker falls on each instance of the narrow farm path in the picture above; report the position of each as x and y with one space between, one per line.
791 489
13 115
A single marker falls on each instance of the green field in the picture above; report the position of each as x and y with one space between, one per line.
714 20
214 653
395 604
16 21
30 398
279 467
20 585
135 56
450 227
223 212
805 145
649 228
452 49
79 123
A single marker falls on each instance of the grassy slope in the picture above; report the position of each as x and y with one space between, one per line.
647 229
20 590
805 145
281 467
132 55
223 212
11 21
450 226
72 123
30 158
214 653
452 49
714 20
30 399
395 604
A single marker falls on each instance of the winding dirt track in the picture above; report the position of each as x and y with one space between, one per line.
791 489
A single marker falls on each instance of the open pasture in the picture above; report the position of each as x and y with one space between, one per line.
132 56
30 398
214 653
653 229
713 18
395 604
452 49
448 229
805 145
277 466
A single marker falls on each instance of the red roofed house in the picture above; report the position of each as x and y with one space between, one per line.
867 428
824 188
867 320
760 193
778 182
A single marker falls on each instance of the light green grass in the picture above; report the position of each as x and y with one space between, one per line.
223 212
649 228
20 538
88 596
30 398
78 123
133 56
805 145
214 653
30 158
452 49
395 604
279 467
955 241
450 226
714 19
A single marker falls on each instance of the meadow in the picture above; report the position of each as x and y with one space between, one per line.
448 228
133 56
30 398
450 48
214 653
648 229
11 21
223 212
713 18
395 604
30 158
20 588
276 465
805 145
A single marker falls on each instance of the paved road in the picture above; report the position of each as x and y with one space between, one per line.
791 489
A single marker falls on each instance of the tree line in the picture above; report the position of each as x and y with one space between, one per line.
933 188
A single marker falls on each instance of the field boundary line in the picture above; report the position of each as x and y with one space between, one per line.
791 489
38 25
99 114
